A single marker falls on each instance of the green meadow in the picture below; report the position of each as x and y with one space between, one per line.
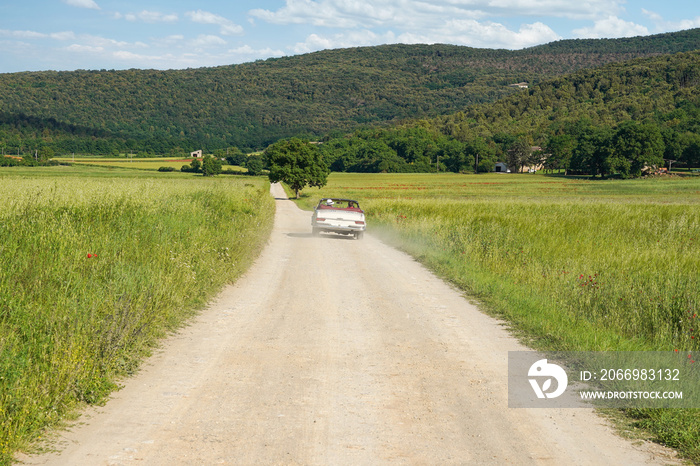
556 256
570 264
95 266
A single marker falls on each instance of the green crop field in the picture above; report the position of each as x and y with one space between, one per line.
138 163
97 263
95 266
571 264
619 256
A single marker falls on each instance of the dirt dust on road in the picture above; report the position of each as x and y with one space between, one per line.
333 351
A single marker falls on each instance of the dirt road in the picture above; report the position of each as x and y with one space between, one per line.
335 351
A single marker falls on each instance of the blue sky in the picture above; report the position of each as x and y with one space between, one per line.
40 35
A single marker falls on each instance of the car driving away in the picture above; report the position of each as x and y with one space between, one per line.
343 216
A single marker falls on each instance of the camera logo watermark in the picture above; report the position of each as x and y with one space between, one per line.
545 371
614 379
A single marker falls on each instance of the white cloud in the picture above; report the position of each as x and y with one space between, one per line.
611 27
206 41
65 35
22 34
86 43
98 41
477 23
169 41
330 13
685 24
581 9
652 15
494 35
227 27
126 55
315 42
663 26
82 4
407 14
458 32
250 51
151 17
84 48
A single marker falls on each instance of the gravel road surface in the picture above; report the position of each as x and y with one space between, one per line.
332 351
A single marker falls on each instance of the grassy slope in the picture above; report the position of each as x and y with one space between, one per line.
571 264
96 265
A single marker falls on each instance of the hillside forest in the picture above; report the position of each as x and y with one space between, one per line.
587 106
616 119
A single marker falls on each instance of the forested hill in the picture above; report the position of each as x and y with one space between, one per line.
612 120
254 104
663 89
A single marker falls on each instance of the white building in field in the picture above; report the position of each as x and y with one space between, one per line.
501 168
196 154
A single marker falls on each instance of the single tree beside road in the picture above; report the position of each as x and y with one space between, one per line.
297 163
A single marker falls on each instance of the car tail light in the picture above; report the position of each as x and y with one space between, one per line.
359 222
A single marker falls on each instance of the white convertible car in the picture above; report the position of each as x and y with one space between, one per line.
342 216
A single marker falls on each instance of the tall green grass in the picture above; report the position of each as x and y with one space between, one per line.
93 270
596 277
555 255
575 265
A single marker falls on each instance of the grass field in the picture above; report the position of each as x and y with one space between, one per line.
571 264
619 256
97 264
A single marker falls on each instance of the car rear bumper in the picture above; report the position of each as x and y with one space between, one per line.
323 226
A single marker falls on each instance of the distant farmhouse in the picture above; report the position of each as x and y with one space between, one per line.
501 168
196 154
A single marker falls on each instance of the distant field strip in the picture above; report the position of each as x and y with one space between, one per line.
94 270
141 164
